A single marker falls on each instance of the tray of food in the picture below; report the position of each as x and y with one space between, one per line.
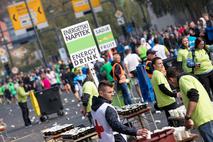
77 132
58 129
129 109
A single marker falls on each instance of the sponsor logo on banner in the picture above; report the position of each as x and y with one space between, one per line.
80 44
105 38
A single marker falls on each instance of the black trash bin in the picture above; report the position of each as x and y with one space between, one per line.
49 101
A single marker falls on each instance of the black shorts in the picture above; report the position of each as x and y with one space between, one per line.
134 73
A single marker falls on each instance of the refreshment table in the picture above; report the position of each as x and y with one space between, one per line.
84 138
136 110
53 134
78 134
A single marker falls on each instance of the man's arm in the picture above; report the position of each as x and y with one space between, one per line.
112 119
193 96
149 68
21 92
85 99
167 92
179 66
167 51
117 71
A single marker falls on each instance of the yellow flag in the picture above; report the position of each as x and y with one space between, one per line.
34 103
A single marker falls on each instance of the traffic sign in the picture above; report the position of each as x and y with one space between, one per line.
4 59
120 21
82 6
80 43
20 18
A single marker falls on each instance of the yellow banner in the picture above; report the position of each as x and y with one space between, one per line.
83 5
20 17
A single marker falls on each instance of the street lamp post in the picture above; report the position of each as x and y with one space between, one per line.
93 14
8 51
36 33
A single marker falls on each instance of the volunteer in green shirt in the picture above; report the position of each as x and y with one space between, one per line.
2 89
197 102
202 66
22 101
183 55
12 89
142 49
106 70
164 96
89 90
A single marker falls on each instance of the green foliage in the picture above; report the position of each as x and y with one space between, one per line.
194 7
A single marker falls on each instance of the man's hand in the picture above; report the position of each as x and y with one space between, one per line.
83 111
178 95
142 132
197 65
189 123
130 75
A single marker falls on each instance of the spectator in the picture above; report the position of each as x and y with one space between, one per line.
143 48
78 81
161 50
45 82
120 78
67 80
2 90
151 54
12 90
131 61
51 76
106 70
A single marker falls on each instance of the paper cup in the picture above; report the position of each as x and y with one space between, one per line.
149 135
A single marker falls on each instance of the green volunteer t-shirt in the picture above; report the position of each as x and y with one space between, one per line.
182 57
162 99
90 88
58 78
2 89
22 95
203 112
107 68
11 88
202 58
142 52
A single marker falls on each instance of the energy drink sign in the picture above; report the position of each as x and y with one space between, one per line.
105 38
80 44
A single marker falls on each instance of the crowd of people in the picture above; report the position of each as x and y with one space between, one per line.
189 47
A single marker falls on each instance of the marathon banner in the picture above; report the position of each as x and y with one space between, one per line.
105 38
80 44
